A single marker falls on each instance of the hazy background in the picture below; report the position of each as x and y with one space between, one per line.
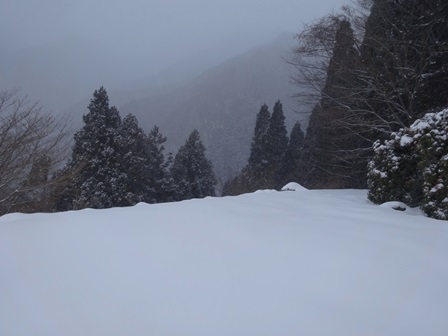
181 65
134 38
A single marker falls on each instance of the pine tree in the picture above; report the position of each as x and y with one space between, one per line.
275 143
192 172
159 181
432 96
405 55
276 138
257 159
293 153
265 166
253 173
100 179
333 140
133 159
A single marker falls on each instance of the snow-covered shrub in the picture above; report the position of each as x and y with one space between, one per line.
412 166
433 148
393 171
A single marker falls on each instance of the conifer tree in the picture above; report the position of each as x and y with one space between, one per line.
293 154
192 172
159 181
133 159
100 179
275 143
405 55
331 156
257 159
265 168
392 72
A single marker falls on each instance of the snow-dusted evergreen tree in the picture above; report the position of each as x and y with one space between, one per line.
100 180
267 150
393 173
132 141
413 166
265 166
160 185
332 153
275 143
257 159
252 174
433 150
192 172
293 154
405 52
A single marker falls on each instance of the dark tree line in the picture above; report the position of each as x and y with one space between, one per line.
114 163
367 72
273 157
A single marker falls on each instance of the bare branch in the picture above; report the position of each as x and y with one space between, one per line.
28 137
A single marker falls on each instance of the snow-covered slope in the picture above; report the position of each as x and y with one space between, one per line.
268 263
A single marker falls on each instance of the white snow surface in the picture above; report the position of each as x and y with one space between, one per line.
273 263
293 186
406 140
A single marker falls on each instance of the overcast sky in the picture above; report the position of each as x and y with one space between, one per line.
154 27
132 39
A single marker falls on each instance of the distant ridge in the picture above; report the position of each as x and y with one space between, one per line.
222 103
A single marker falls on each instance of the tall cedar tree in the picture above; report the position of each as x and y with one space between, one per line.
133 159
405 53
192 172
331 157
100 180
265 168
257 159
400 75
160 185
275 143
289 171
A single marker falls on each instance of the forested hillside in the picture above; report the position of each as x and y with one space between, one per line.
222 104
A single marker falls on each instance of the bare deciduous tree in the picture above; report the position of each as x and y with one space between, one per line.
32 143
402 48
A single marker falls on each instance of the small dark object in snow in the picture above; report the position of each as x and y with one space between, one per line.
399 208
288 189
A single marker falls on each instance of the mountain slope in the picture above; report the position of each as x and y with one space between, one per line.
222 104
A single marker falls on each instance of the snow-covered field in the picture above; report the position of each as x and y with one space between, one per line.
267 263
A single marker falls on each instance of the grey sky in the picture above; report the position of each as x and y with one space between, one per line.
146 26
132 39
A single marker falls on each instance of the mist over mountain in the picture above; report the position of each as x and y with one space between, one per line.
222 104
61 73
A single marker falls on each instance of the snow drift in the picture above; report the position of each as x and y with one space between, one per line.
272 263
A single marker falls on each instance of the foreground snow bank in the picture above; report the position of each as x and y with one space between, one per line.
274 263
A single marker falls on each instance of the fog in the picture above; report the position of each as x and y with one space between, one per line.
67 48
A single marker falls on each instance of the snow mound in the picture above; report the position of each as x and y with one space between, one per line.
293 186
395 205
